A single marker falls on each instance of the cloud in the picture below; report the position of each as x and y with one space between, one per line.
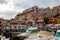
3 1
10 8
8 14
40 3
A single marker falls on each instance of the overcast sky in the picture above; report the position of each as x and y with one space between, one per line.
10 8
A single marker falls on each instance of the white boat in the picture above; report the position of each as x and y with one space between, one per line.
57 37
28 32
42 35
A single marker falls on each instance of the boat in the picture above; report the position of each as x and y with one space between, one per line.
42 35
57 37
28 32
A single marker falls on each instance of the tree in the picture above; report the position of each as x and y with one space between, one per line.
46 20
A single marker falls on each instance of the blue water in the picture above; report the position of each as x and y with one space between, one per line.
58 35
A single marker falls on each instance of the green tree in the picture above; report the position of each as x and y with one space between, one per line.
46 20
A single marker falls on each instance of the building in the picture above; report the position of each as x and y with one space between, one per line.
54 20
14 24
3 22
30 14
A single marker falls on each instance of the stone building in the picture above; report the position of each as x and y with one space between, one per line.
30 15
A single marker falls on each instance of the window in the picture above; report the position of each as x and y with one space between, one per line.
14 26
19 26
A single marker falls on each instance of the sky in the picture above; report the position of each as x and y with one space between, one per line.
10 8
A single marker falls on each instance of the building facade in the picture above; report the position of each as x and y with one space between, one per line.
31 14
